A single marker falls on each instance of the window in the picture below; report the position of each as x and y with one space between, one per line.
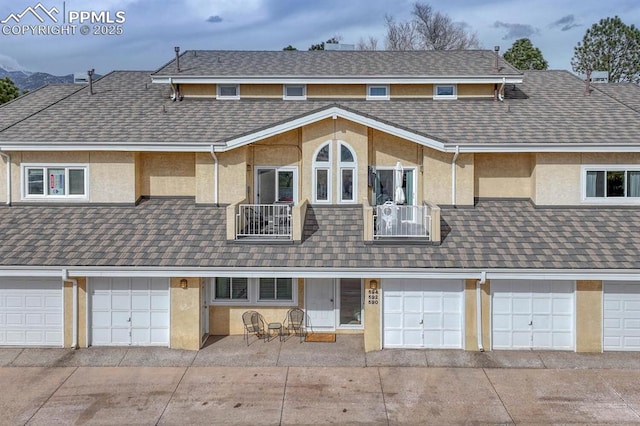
231 289
276 185
228 91
295 91
445 91
254 291
276 289
54 182
378 92
346 176
617 184
350 302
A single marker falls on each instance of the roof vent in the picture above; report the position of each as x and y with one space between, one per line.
496 68
587 83
177 50
90 74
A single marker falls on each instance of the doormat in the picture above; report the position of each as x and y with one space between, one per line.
320 337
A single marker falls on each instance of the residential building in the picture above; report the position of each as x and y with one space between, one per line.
422 199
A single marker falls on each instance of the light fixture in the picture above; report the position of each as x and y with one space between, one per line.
373 284
184 283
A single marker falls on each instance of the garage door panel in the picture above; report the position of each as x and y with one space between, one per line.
422 313
621 316
126 311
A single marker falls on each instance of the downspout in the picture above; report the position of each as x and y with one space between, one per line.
482 280
74 307
215 172
501 90
453 175
7 158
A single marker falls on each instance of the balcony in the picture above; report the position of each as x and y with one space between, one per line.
266 222
389 222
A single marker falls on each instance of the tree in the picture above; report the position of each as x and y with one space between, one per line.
333 40
611 46
8 90
289 47
428 30
525 56
370 43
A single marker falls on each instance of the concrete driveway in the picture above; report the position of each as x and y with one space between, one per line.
286 383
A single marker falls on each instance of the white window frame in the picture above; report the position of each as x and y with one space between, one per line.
435 91
256 180
323 165
294 98
338 307
353 166
253 294
46 197
607 168
223 97
371 97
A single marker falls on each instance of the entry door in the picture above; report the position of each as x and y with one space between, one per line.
129 311
320 303
275 185
529 314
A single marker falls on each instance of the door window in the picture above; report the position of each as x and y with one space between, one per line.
276 185
350 302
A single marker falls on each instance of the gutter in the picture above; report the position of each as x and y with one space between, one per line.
215 172
453 176
482 280
74 307
7 158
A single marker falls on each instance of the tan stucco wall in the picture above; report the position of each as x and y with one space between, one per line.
82 313
475 90
372 318
317 134
503 175
261 91
198 90
557 179
185 314
336 91
437 178
281 150
233 175
167 174
112 177
398 91
205 178
589 316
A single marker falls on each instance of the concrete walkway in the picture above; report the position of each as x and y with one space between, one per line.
229 382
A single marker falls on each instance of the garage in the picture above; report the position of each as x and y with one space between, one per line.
531 314
31 312
129 311
621 316
423 313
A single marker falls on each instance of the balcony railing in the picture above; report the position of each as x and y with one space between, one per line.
399 221
264 221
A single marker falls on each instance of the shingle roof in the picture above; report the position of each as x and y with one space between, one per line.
34 101
423 63
627 93
178 233
549 107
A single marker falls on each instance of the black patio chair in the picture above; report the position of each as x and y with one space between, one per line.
253 324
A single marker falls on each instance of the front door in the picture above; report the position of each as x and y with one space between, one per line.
320 304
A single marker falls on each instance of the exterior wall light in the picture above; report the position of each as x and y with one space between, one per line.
373 284
184 283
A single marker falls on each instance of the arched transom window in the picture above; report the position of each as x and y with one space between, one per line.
344 179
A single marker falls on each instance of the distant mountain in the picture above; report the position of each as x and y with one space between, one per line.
26 80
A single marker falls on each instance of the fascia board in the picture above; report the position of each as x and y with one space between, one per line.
510 79
550 147
111 146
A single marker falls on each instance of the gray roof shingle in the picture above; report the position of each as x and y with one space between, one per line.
178 233
359 63
549 107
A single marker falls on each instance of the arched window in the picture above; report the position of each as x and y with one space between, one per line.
324 164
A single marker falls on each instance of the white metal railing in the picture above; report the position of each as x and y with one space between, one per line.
264 221
399 221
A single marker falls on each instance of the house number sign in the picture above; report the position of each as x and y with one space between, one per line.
373 296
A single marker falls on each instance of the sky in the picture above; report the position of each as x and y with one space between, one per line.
144 32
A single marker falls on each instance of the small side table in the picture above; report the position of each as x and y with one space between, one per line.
274 326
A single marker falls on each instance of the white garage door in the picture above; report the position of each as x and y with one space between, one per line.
422 313
621 309
129 311
530 314
31 312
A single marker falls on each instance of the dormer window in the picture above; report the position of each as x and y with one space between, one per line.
295 92
377 92
228 91
445 91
